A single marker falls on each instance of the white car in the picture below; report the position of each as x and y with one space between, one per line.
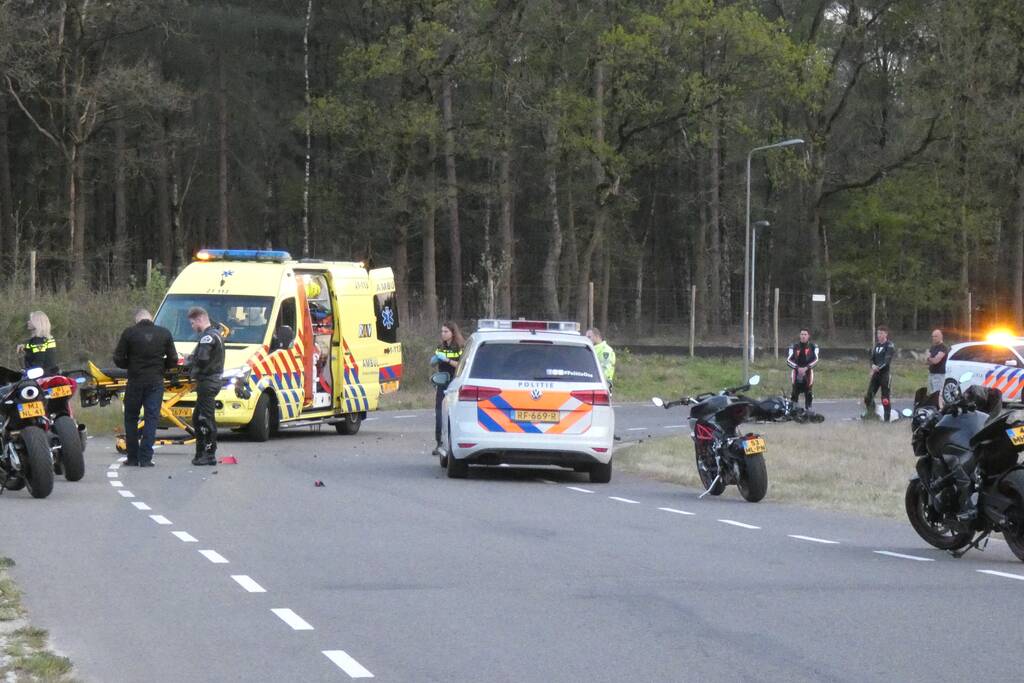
998 364
528 393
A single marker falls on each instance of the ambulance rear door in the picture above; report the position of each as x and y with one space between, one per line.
388 350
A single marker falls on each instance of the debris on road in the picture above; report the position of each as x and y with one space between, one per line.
318 484
229 460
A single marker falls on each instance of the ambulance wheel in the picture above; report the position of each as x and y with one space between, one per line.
72 459
260 425
349 425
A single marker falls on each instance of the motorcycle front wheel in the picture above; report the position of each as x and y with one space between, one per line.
1014 534
934 532
705 472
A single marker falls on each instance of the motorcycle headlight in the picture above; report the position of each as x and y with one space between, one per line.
30 393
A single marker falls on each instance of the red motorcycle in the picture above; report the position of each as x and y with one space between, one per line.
67 437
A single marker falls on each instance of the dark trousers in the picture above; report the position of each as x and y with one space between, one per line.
880 380
147 398
204 420
438 400
804 387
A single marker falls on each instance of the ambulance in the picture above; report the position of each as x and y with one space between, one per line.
307 342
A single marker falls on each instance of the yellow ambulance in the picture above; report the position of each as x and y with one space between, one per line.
308 342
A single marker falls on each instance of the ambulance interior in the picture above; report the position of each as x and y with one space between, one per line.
320 305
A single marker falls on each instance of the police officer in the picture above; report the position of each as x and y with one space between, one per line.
446 357
605 354
41 348
206 371
881 373
803 356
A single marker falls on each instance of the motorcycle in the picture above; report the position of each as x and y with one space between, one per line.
780 409
68 438
723 455
25 456
971 422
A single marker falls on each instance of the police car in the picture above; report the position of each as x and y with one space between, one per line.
528 393
997 362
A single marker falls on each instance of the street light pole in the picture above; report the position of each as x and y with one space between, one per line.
753 280
746 258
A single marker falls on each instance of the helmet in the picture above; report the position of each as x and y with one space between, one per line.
312 289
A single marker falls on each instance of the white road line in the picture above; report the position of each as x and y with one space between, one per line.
674 426
812 539
116 484
111 475
248 584
126 494
678 512
160 519
345 662
1005 575
739 524
547 481
141 506
636 429
114 466
403 417
213 556
369 419
624 500
904 557
577 488
123 458
292 619
185 536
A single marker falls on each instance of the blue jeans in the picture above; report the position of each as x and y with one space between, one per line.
146 397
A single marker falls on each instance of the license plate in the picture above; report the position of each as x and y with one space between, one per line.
33 409
536 416
753 446
1016 435
182 412
62 391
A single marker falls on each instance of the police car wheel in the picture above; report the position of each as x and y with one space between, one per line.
601 473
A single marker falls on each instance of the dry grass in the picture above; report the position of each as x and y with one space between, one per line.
24 653
847 466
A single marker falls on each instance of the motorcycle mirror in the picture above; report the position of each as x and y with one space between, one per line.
658 402
966 377
754 381
907 412
34 373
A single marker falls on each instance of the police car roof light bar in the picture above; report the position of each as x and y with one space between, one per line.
532 325
243 255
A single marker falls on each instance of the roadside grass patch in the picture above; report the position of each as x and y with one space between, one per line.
860 467
24 651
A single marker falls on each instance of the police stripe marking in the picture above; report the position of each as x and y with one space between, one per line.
213 556
904 557
346 663
292 619
248 584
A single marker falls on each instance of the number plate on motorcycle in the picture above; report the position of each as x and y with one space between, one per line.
753 446
62 391
33 409
536 416
1016 435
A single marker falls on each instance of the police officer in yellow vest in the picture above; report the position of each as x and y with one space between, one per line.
605 354
41 348
446 357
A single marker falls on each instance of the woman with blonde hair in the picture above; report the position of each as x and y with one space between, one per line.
41 348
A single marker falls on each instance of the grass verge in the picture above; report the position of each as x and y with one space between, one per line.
862 467
24 651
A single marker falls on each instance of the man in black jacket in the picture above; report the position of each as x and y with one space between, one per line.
881 373
145 350
206 370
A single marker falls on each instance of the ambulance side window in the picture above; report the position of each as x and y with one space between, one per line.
284 328
385 307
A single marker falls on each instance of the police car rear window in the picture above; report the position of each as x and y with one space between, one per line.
549 362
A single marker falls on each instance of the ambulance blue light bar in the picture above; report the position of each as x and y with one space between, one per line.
533 325
243 255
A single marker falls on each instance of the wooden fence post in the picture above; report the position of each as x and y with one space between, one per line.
149 270
776 323
693 317
590 305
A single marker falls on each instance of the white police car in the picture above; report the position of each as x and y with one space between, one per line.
997 362
528 393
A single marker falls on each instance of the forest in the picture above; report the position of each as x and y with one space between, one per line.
503 156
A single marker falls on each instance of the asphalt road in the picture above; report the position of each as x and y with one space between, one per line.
251 572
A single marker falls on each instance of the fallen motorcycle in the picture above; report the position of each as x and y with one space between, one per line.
25 456
723 455
780 409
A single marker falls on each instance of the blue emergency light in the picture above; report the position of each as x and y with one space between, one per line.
243 255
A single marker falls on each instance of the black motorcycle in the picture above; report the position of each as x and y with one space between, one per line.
974 429
25 455
780 409
724 456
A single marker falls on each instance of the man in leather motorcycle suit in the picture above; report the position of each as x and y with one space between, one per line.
803 357
206 371
882 355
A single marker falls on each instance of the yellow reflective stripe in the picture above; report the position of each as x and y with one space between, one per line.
450 354
39 348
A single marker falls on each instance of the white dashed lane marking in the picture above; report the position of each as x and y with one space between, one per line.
547 481
739 524
112 474
141 506
403 417
812 539
904 557
678 512
114 466
624 500
292 619
126 494
577 488
1005 575
636 429
674 426
116 484
345 662
185 536
160 519
213 556
248 584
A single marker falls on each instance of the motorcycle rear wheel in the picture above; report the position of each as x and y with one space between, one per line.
935 534
1014 536
39 461
71 457
706 478
753 483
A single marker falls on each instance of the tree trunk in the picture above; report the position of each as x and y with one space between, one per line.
177 231
6 200
570 253
829 305
120 274
222 107
606 282
1018 251
452 194
549 274
719 278
700 276
430 312
164 251
76 214
506 228
309 136
600 198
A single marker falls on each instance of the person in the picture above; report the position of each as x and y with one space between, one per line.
881 373
145 350
206 370
803 357
40 351
605 354
936 360
446 358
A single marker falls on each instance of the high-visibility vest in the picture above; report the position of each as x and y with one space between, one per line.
606 357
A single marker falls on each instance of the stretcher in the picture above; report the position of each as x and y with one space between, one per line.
100 387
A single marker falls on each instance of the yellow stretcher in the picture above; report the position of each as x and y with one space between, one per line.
103 386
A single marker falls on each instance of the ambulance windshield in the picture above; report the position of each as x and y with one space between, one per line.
246 316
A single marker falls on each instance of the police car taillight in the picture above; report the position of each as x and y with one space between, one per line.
533 325
598 397
474 393
265 255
